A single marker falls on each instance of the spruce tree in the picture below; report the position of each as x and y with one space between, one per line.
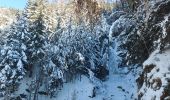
13 60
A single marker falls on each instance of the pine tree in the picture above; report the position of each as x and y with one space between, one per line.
38 46
37 30
25 46
13 58
89 10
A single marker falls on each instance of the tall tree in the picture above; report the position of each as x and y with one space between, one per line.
13 60
89 10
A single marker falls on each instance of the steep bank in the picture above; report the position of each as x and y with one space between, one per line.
133 39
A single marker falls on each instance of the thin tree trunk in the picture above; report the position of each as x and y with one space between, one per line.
36 90
38 76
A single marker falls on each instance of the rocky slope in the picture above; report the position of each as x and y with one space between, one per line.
155 77
134 37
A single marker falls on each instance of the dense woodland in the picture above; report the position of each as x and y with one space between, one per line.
53 43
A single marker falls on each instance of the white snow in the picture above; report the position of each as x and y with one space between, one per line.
163 25
81 90
20 66
23 46
81 58
117 87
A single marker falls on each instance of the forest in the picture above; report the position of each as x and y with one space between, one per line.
85 50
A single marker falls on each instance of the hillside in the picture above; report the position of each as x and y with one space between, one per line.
7 17
86 50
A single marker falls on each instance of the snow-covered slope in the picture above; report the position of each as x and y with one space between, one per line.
117 87
156 77
7 17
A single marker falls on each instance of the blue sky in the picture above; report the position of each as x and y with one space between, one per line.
19 4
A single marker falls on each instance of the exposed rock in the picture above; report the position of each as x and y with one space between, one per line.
101 73
148 68
156 84
156 75
43 93
135 37
23 95
139 35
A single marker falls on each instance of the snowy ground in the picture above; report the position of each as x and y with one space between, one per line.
117 87
120 85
